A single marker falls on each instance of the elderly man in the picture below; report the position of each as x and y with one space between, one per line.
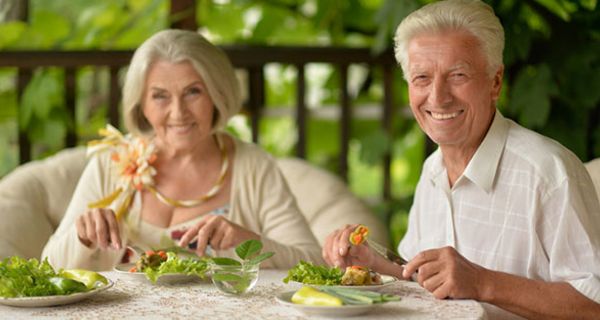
501 214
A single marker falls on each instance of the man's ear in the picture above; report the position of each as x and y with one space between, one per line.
497 83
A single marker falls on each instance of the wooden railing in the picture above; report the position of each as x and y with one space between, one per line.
252 59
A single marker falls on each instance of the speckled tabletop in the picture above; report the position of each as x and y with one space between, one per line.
132 298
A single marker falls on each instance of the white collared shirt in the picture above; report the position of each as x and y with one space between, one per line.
524 205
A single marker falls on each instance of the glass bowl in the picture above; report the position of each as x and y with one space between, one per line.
234 279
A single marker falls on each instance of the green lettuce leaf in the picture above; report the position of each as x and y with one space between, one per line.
307 273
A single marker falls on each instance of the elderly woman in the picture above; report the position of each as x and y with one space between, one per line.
178 178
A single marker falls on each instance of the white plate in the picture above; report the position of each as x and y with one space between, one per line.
47 301
169 278
324 311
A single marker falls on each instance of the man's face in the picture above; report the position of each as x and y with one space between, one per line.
451 92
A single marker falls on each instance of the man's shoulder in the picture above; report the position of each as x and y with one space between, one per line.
529 150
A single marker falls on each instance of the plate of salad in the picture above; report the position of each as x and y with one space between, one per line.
165 267
31 283
327 301
355 277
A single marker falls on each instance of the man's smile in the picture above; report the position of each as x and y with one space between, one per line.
444 116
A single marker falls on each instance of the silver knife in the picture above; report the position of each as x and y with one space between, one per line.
386 253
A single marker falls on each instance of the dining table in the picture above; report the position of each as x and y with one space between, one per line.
135 298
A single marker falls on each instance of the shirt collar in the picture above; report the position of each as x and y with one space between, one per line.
483 167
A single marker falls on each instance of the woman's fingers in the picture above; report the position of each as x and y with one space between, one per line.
190 234
98 227
101 228
82 234
217 231
205 233
113 227
218 236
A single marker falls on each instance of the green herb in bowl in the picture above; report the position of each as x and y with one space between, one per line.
238 277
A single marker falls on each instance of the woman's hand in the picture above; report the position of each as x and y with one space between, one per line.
338 251
217 231
99 227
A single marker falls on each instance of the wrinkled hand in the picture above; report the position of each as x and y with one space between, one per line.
217 231
99 227
447 274
337 250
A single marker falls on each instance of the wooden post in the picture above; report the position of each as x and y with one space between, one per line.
183 15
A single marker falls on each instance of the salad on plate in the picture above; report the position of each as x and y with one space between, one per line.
167 266
355 276
30 282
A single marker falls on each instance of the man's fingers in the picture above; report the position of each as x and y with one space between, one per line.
442 291
420 259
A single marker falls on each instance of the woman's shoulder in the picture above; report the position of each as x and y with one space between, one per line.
249 152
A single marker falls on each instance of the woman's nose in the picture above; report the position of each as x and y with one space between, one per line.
178 107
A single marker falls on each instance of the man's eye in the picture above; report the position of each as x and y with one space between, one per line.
459 76
420 79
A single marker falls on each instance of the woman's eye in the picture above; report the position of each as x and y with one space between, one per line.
194 91
159 96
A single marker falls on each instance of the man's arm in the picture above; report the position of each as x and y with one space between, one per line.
446 273
537 299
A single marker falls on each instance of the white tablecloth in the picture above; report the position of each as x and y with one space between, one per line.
134 299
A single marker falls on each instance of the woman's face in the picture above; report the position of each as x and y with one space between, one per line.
177 105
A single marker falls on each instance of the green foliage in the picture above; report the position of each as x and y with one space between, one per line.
531 94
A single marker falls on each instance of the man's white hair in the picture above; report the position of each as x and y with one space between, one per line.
473 16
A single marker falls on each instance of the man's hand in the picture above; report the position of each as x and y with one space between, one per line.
337 250
447 274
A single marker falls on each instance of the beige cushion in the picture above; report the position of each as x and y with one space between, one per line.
326 202
593 167
34 197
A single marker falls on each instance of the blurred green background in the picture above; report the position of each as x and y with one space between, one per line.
552 77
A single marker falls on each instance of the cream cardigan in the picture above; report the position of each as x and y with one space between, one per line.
260 201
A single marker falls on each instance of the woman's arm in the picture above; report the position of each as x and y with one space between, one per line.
64 249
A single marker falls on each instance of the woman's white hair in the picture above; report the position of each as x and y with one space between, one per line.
473 16
175 46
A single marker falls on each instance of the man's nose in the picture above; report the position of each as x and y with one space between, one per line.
440 94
